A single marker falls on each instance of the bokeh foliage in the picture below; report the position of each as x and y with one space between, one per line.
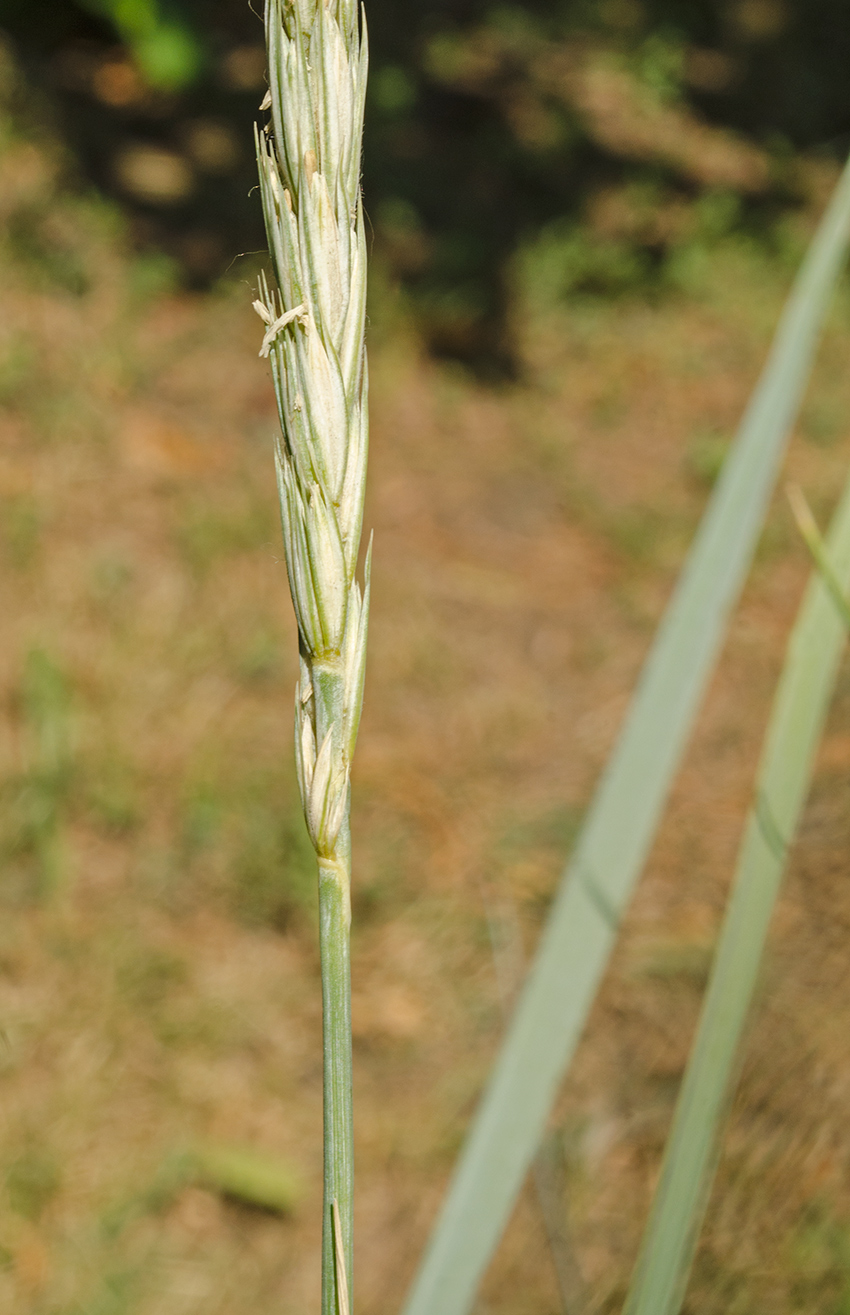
491 126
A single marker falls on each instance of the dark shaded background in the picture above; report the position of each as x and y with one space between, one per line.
478 137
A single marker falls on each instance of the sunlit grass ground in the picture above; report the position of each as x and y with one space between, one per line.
158 972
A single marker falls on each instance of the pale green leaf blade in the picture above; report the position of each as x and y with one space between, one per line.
808 528
624 816
796 723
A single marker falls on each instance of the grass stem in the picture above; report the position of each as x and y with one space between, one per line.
334 923
309 164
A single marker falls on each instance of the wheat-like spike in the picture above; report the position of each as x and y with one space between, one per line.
314 321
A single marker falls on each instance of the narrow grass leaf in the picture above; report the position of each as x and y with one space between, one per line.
796 724
807 525
339 1258
623 819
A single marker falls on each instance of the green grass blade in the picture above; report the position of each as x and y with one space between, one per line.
807 525
622 821
796 724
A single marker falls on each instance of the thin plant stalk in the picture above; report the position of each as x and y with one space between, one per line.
796 724
309 164
623 818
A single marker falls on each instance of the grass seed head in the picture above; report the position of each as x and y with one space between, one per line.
314 320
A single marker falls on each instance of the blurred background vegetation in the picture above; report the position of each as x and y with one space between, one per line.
593 138
597 207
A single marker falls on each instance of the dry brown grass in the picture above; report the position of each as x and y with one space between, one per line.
158 973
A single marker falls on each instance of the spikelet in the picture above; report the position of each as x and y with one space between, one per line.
309 164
